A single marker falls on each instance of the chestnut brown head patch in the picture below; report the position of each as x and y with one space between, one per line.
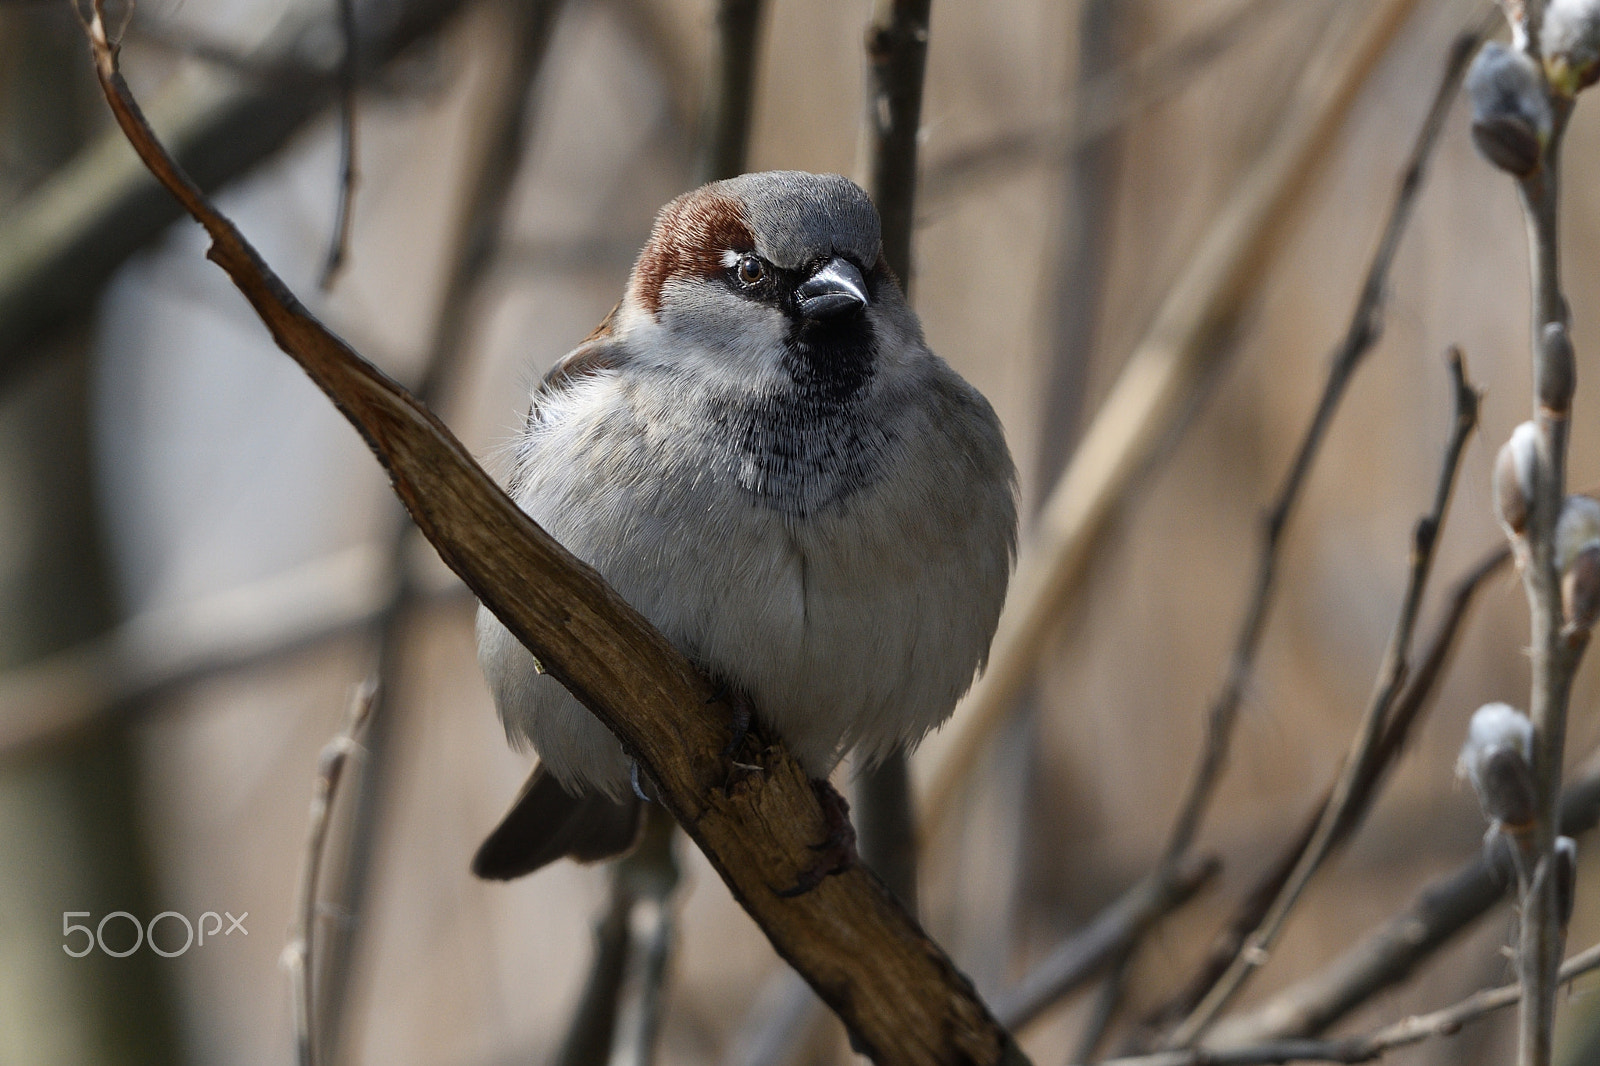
688 240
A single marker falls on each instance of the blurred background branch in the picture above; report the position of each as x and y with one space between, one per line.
62 243
1158 387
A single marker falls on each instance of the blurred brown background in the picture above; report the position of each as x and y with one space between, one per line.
164 469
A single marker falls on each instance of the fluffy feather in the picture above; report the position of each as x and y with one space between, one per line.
820 512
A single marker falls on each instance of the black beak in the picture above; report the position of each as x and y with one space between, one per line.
836 288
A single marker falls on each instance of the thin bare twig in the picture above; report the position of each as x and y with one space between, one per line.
621 1001
1097 945
339 247
1362 334
899 995
592 1028
1182 348
897 60
1366 326
60 245
1110 101
1414 1030
297 954
1391 953
1417 696
91 685
650 876
1364 746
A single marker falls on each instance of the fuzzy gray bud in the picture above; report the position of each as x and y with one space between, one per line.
1566 875
1511 118
1578 562
1570 39
1580 590
1514 470
1576 529
1497 760
1554 372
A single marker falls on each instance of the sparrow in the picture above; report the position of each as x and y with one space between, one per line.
758 450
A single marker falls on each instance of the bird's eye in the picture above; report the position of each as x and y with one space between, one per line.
751 270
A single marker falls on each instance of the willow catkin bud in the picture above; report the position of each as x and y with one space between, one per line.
1580 590
1511 117
1555 372
1576 529
1514 470
1566 876
1578 562
1497 760
1570 39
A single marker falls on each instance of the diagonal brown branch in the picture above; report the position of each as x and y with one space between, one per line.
895 990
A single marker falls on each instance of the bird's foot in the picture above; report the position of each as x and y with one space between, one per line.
636 782
743 712
836 853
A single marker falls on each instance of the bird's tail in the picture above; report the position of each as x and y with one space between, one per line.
547 823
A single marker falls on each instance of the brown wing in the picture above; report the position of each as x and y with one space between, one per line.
547 823
599 351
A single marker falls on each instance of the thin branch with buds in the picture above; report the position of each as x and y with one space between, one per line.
1555 652
1363 332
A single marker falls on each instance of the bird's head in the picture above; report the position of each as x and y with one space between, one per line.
761 267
